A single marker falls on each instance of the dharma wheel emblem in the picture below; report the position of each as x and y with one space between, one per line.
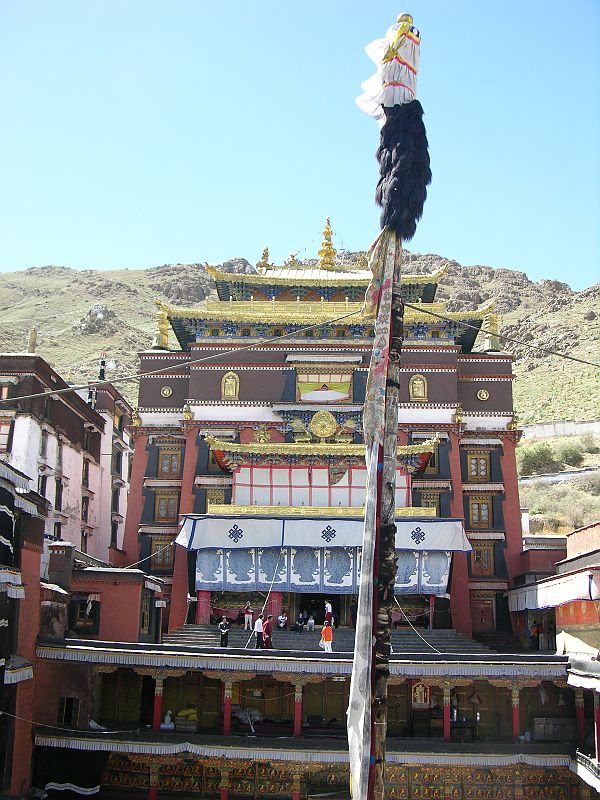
483 394
323 424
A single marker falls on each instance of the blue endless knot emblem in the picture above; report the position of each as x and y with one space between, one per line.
328 534
417 535
236 533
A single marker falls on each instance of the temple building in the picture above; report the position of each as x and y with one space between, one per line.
249 453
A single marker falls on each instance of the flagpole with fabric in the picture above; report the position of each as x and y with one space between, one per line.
401 191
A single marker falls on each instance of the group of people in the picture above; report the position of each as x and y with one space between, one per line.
263 627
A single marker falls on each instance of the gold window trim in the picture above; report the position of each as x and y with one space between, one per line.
417 388
160 547
431 500
169 451
477 455
230 386
166 496
481 500
482 559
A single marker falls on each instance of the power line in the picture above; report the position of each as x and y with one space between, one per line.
546 350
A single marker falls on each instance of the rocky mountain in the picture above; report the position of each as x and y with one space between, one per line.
79 313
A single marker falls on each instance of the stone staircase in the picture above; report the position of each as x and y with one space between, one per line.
404 640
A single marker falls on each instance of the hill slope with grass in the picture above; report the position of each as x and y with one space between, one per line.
79 313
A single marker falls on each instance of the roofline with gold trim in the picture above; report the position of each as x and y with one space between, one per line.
329 279
310 448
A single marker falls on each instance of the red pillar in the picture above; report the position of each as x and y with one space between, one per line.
511 506
431 610
580 717
153 790
274 605
228 687
446 713
597 724
224 785
179 591
223 794
296 787
298 710
516 715
202 616
157 714
153 793
460 602
135 502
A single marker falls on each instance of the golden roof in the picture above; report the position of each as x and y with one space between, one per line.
252 311
315 276
309 511
310 448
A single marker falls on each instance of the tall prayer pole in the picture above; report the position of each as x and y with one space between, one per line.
401 191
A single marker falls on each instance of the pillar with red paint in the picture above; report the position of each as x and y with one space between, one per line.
227 693
158 695
296 786
597 723
298 709
580 717
516 714
446 714
153 790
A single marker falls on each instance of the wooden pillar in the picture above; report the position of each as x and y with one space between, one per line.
446 712
296 786
516 713
227 708
431 610
202 616
597 723
298 709
158 693
153 790
580 716
224 785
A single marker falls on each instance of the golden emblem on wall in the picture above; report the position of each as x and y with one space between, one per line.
323 424
166 391
483 394
262 434
230 386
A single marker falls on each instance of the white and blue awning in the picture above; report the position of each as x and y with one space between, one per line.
556 591
208 531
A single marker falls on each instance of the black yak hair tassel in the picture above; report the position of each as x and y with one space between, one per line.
404 170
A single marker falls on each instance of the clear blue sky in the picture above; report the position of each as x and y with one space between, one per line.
135 133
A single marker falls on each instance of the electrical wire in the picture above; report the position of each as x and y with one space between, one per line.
64 729
162 370
504 336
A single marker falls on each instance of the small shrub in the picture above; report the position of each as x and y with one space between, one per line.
536 459
569 452
588 442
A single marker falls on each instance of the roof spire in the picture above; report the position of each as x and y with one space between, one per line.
32 340
263 264
327 252
161 334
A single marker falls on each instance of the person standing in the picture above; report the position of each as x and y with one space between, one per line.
224 631
258 632
268 632
248 616
327 636
328 612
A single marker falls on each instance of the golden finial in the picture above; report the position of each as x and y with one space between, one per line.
32 340
263 264
187 412
458 415
136 420
513 425
491 328
292 261
161 334
327 252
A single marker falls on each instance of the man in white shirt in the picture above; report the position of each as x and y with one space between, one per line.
258 632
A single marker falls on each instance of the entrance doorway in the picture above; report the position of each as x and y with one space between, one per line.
315 603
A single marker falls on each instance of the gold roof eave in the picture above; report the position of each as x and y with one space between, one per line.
310 448
339 512
312 313
329 278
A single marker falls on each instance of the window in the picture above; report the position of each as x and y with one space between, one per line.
431 500
145 612
165 509
277 332
57 530
85 473
59 456
480 512
68 711
435 334
114 532
230 386
482 558
117 463
169 463
162 553
417 389
58 495
433 465
44 444
215 332
4 391
115 501
118 420
84 613
340 333
84 538
5 436
478 466
215 497
42 481
85 508
245 331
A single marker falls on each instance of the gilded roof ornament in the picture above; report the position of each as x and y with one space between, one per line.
263 264
32 340
161 333
327 252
